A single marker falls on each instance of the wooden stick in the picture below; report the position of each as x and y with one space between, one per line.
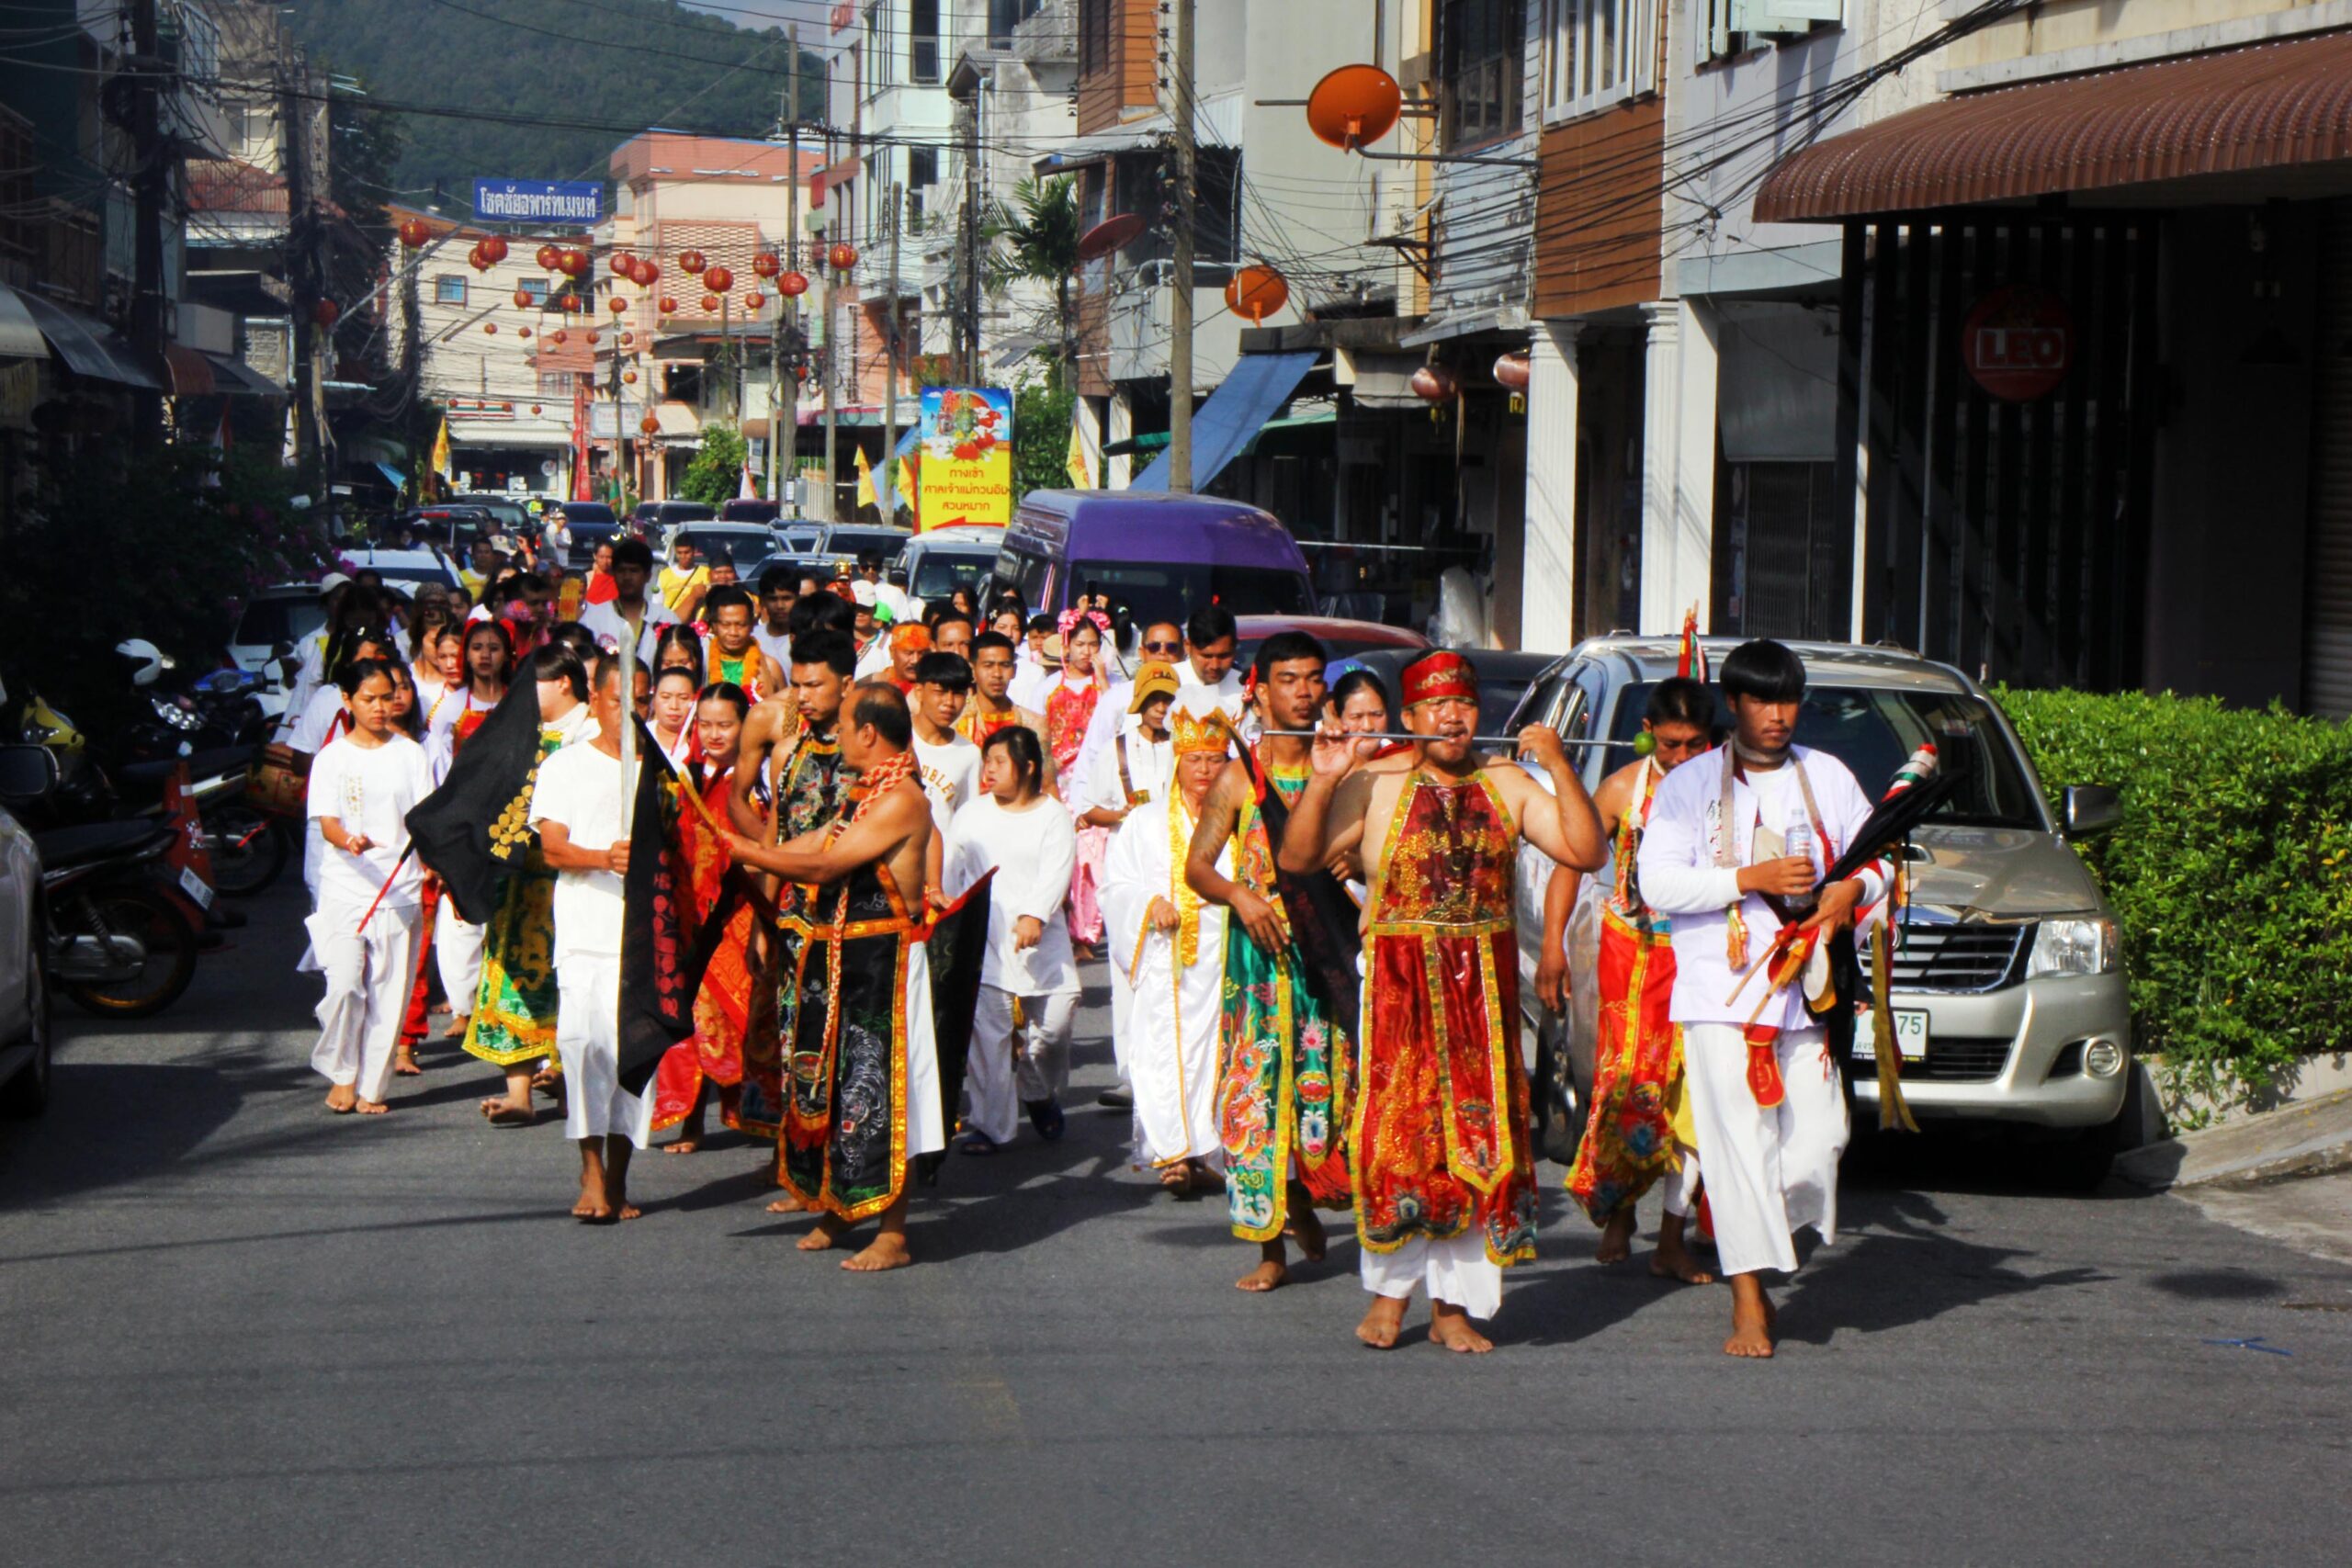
406 850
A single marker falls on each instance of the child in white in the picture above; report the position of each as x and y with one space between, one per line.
580 808
362 784
1026 836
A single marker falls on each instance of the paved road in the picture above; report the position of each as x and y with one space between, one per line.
241 1331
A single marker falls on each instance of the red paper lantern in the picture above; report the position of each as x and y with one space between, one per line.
647 271
491 327
692 261
476 260
1435 383
576 263
624 265
668 306
535 408
414 231
495 248
574 304
719 280
327 312
549 257
710 304
628 340
648 424
523 298
1514 370
617 304
754 301
843 257
522 331
629 376
766 264
593 335
792 286
558 335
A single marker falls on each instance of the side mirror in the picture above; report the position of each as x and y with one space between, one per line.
26 773
2092 809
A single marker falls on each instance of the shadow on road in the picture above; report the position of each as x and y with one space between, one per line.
81 1143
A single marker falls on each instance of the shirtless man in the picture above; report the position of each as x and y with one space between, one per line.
868 876
1450 1212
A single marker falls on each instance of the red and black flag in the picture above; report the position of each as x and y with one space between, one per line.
955 943
668 932
475 830
1323 919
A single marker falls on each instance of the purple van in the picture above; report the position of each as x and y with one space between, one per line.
1157 557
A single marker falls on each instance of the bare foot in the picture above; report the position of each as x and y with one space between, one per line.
882 1252
680 1146
404 1064
1269 1275
829 1231
342 1098
500 1114
457 1030
1450 1327
591 1201
370 1107
1671 1262
1306 1229
1381 1323
1616 1237
788 1205
1751 1321
1178 1179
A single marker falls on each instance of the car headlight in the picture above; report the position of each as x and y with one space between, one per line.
2083 946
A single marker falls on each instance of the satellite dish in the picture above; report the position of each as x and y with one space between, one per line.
1354 105
1113 233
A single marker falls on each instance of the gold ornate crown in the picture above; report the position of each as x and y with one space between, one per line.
1210 731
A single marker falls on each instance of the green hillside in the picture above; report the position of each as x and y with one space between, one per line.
635 62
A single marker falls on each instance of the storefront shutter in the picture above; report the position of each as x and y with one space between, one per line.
2327 614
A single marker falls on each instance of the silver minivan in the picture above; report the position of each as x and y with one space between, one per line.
2009 1003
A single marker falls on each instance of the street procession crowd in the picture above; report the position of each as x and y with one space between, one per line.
831 860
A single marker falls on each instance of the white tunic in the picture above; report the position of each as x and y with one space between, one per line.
1170 1021
951 776
1035 855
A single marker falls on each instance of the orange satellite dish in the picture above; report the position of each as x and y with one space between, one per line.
1257 292
1354 105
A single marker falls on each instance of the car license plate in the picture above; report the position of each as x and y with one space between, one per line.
1910 1034
195 887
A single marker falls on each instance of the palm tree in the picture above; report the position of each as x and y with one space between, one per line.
1036 237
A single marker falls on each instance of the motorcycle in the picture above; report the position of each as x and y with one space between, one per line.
118 940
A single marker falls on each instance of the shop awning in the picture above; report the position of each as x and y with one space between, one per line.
1246 399
88 346
2270 106
191 373
20 339
1156 440
237 379
392 476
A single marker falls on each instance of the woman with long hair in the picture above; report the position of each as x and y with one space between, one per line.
1069 707
723 1005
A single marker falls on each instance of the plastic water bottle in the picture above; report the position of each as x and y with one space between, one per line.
1799 840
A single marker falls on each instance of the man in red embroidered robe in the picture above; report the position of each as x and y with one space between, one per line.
1441 1148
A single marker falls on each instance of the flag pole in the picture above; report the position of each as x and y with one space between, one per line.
406 850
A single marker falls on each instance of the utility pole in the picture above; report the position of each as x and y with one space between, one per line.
832 360
148 174
302 273
783 396
886 500
1180 309
971 300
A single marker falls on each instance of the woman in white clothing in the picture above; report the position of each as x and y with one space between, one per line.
1028 978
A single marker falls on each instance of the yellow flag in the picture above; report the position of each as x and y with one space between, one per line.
1081 472
441 451
865 481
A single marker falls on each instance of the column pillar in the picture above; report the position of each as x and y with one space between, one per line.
1547 616
1694 465
1120 471
1661 414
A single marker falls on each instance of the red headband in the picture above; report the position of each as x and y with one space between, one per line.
1437 676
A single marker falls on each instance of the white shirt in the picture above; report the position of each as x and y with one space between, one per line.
310 730
876 659
1193 694
1151 768
1031 683
951 776
369 790
1035 855
604 622
581 788
1680 879
776 645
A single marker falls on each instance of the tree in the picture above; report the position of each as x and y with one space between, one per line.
1039 240
718 469
1041 412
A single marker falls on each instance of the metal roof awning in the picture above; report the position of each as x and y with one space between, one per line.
2270 106
1156 440
1257 386
87 345
1097 145
237 379
190 372
19 338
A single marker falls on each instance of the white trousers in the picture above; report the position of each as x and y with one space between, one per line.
999 1083
587 1039
456 949
367 980
1681 1186
1456 1272
1769 1172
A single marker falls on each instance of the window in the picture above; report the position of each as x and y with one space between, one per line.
1482 46
536 288
1217 208
1599 53
449 288
923 41
923 172
555 383
1093 36
878 46
1006 15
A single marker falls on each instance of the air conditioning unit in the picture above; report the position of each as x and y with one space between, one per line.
1783 18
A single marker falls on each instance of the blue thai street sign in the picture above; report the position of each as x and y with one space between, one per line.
570 203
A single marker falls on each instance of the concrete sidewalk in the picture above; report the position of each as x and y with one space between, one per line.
2314 1138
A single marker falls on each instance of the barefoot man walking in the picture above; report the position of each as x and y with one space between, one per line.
1444 1174
862 1071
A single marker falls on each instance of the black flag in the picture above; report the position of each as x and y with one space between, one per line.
666 939
1323 919
957 943
475 830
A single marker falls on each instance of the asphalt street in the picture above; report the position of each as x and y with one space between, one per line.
240 1330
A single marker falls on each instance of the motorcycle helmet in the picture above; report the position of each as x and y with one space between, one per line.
147 657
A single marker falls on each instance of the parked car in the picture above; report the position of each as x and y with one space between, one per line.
2009 994
750 510
1359 640
283 614
944 559
449 528
406 570
652 520
745 544
507 513
1156 557
25 1031
590 523
1504 676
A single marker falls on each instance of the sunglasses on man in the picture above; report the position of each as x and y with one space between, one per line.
1163 648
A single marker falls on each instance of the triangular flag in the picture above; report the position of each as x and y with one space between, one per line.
1694 663
744 491
865 481
441 452
1082 469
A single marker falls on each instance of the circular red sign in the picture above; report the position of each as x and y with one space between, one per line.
2018 343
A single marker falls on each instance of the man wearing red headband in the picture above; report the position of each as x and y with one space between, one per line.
1440 1145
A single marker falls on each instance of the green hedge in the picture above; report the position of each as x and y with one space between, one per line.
2228 872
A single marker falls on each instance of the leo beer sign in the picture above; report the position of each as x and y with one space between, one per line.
2018 343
